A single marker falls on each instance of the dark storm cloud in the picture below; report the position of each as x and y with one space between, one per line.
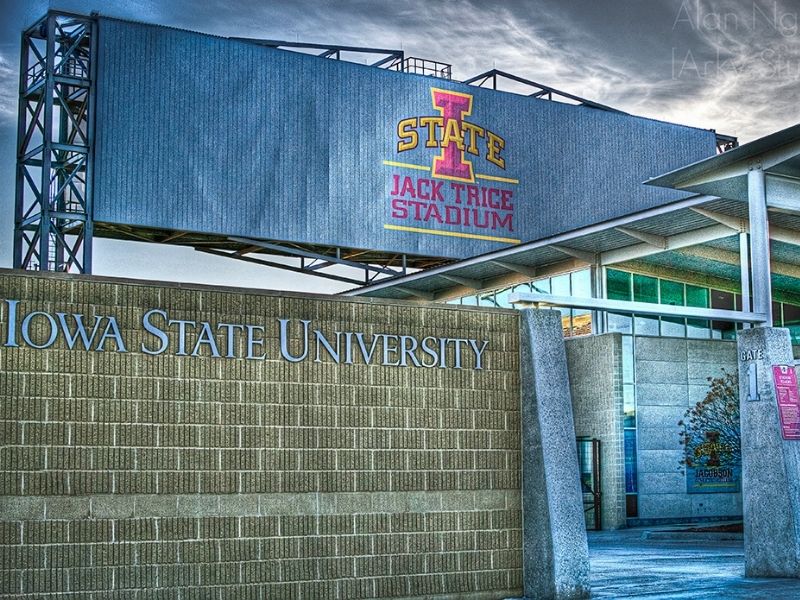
732 65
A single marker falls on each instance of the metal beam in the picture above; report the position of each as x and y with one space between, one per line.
504 255
516 268
783 192
779 234
277 265
641 308
680 240
475 284
313 255
759 241
659 241
733 258
334 48
587 257
734 223
54 178
495 73
418 293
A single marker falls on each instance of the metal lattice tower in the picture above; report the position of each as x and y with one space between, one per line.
53 210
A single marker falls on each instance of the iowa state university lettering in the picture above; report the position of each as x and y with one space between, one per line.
297 340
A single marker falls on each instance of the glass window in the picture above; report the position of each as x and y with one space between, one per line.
581 322
645 289
697 296
541 286
739 302
487 299
582 284
620 322
560 285
725 301
672 293
501 297
791 320
566 321
469 301
627 359
523 287
618 285
645 325
628 406
630 461
673 327
777 319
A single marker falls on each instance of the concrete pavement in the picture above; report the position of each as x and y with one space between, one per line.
625 565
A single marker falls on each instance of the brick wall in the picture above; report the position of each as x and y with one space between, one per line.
202 477
595 378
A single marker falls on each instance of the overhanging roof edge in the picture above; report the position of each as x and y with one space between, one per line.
506 253
673 179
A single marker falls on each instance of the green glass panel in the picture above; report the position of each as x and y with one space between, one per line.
696 296
645 289
699 297
671 293
618 285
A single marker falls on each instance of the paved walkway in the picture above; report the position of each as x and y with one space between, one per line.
625 565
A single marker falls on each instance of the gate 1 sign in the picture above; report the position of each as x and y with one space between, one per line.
788 400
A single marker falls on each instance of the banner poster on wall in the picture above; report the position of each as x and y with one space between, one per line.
711 438
788 398
713 463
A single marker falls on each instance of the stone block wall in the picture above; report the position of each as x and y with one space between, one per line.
672 375
128 475
595 377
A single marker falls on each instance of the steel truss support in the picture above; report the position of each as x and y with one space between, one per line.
310 263
55 132
538 90
389 58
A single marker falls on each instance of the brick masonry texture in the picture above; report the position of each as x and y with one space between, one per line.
136 476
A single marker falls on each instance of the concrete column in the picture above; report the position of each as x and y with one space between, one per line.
598 291
770 464
555 553
744 273
759 242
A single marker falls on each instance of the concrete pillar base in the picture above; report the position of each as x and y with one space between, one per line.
770 464
555 552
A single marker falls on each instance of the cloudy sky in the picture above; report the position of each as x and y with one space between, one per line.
729 65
